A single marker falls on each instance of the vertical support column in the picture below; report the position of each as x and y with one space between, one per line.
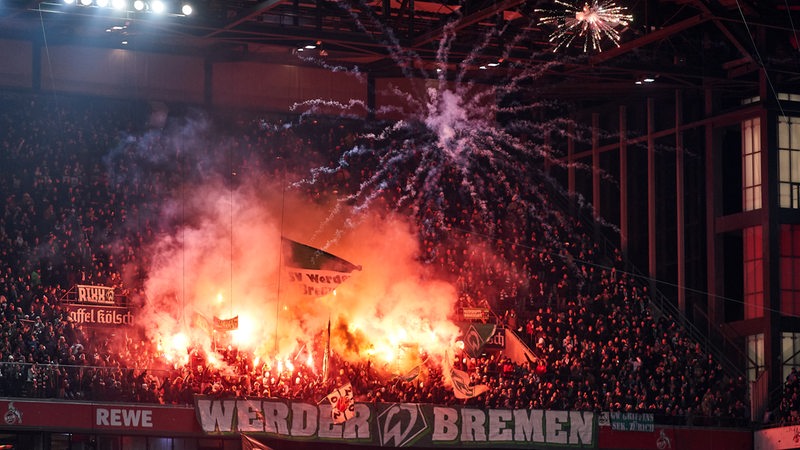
770 225
679 203
623 179
651 191
411 11
596 164
714 277
571 159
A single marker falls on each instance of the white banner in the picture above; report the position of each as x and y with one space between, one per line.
95 294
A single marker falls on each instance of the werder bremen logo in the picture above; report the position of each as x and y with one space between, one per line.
475 338
401 424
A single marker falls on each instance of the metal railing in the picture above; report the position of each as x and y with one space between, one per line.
77 382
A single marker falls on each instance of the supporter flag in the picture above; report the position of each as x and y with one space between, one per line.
475 337
249 443
460 381
412 374
415 373
315 271
200 321
343 405
226 324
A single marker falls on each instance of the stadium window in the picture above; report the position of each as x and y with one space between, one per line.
755 356
789 251
753 273
790 352
789 162
108 443
751 164
159 443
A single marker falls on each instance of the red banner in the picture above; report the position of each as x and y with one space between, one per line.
94 417
158 420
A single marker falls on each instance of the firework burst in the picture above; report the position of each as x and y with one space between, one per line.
593 22
467 163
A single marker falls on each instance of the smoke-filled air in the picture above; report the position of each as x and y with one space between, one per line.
435 209
226 261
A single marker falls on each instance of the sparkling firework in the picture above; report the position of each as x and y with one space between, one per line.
468 165
592 21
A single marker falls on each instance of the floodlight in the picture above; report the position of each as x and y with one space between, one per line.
119 4
158 6
186 9
138 5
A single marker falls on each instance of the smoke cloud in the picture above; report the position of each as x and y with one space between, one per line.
223 260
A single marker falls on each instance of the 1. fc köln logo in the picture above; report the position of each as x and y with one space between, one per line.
13 416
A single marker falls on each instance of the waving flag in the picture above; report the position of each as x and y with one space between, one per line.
476 335
226 324
200 321
316 271
249 443
412 374
343 405
462 385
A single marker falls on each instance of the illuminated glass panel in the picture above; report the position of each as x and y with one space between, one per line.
755 356
789 162
789 253
751 164
790 352
753 273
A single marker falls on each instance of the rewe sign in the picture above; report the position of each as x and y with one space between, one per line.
124 417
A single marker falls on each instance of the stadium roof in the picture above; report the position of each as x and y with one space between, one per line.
679 43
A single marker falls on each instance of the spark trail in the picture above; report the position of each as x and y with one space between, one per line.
475 182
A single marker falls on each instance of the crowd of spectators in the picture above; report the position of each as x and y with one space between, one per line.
788 409
80 198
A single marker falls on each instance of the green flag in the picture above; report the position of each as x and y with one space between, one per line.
316 272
